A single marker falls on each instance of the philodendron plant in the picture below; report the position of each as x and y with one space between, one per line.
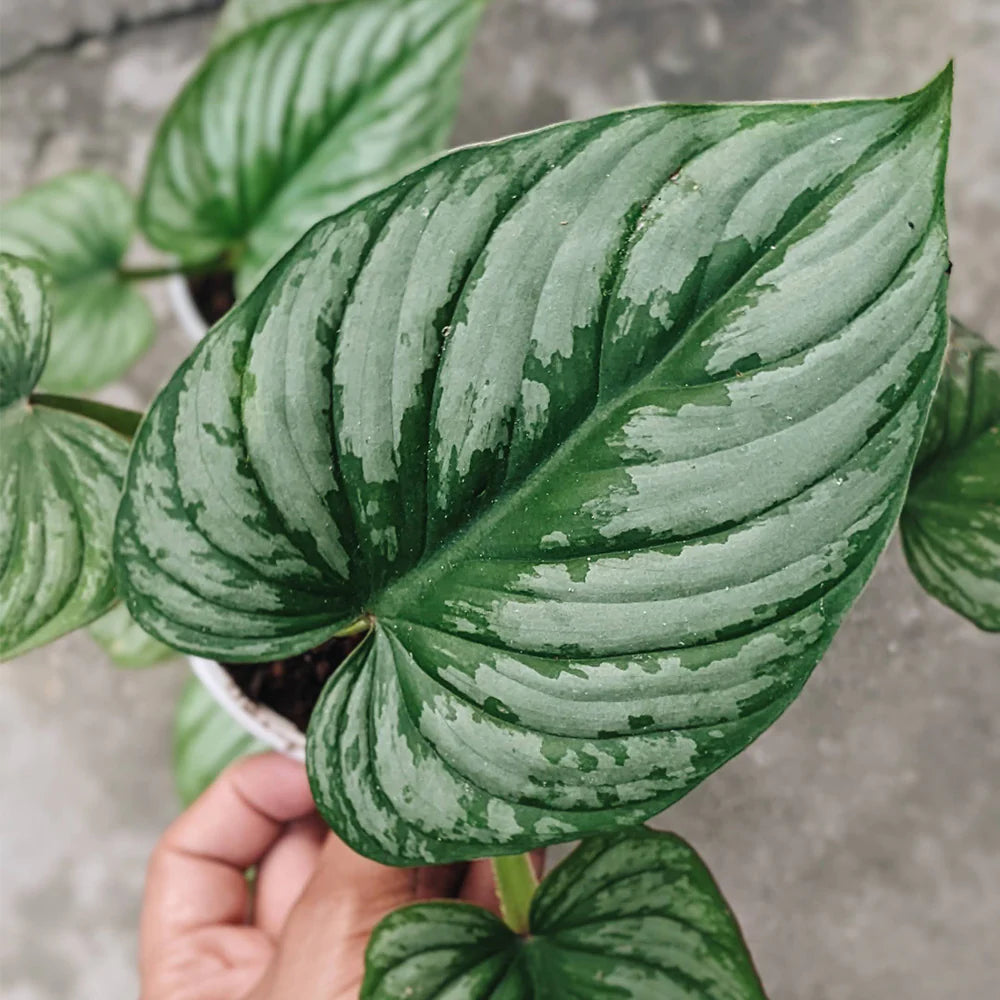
595 433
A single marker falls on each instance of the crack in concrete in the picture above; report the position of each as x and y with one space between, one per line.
121 26
39 146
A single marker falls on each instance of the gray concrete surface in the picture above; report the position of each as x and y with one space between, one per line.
859 839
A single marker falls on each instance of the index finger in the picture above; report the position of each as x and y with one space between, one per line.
196 875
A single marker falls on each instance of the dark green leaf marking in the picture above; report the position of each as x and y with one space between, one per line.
604 425
79 226
60 475
951 521
631 916
296 118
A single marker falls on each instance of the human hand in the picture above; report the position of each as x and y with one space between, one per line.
302 932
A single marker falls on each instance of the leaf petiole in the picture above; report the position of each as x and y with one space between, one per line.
169 270
516 883
363 624
125 422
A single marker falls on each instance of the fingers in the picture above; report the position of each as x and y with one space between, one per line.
212 963
348 884
479 887
196 873
322 946
284 872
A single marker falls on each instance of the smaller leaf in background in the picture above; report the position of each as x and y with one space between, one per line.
634 914
299 117
61 468
951 521
118 634
239 15
79 226
206 741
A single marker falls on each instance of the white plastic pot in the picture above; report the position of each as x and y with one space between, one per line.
260 721
185 310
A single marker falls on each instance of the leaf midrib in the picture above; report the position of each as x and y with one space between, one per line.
673 973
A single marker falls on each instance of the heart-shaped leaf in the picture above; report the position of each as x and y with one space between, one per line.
631 916
239 15
125 642
951 521
61 467
297 118
206 741
78 226
603 426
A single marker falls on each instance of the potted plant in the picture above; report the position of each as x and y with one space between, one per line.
576 447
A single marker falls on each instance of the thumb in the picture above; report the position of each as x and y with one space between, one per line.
321 952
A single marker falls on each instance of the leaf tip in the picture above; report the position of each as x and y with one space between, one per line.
939 90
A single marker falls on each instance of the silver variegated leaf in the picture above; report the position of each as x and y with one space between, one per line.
25 321
298 117
78 226
61 467
239 15
951 521
603 426
631 916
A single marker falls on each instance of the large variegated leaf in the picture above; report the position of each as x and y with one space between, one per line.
298 117
125 642
239 15
632 916
61 467
79 226
604 426
951 520
206 741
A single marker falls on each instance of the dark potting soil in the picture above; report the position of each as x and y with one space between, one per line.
292 687
214 293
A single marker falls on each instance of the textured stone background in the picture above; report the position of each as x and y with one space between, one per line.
859 839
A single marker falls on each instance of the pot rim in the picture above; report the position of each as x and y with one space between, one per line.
190 320
260 721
